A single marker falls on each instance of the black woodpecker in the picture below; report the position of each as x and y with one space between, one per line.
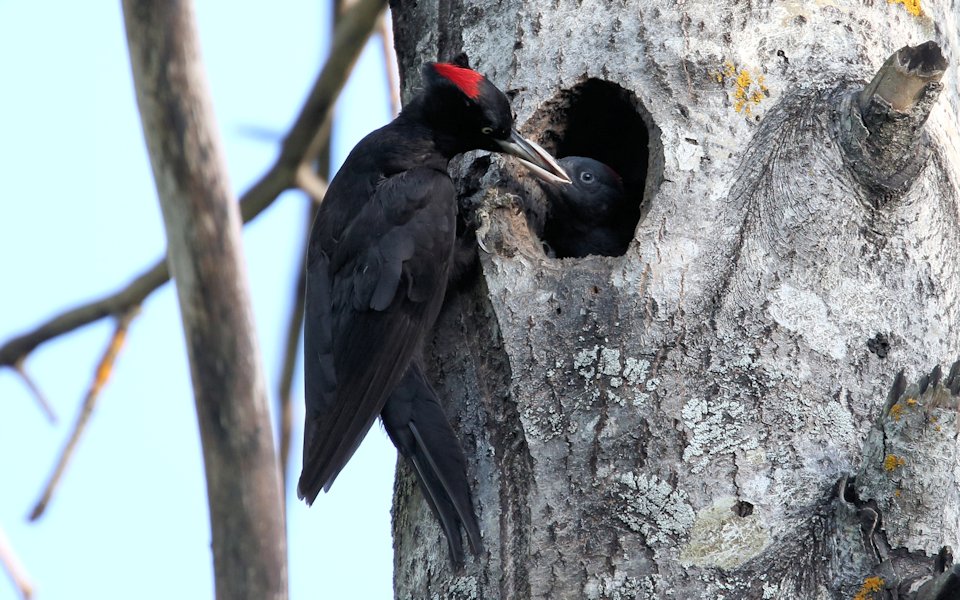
378 260
590 215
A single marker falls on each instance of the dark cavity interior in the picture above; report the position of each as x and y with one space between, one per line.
604 121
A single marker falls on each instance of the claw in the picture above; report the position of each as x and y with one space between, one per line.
483 229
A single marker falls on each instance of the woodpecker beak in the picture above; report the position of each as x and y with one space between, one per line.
534 158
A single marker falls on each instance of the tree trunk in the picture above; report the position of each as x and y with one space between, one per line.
708 415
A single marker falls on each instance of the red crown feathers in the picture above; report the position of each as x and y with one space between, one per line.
466 80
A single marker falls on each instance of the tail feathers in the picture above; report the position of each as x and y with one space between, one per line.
416 423
441 508
446 480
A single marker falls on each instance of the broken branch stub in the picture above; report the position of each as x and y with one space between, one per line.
882 125
904 77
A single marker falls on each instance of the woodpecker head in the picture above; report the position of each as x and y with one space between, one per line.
595 193
464 105
592 215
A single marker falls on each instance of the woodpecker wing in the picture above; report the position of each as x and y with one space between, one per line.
373 289
416 423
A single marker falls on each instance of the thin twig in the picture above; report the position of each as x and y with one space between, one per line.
312 177
45 406
349 40
385 28
15 569
100 378
291 347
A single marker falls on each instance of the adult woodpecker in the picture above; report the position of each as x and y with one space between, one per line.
379 256
591 214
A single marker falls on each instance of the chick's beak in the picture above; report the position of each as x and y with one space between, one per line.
534 158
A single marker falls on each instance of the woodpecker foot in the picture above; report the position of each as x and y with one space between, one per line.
484 214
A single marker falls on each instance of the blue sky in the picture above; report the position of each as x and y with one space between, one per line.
80 217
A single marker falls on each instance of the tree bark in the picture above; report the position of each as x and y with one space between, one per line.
203 226
711 414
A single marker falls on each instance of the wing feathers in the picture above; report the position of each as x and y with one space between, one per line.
364 321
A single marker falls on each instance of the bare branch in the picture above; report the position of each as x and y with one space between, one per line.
13 566
350 36
100 378
291 347
349 40
312 184
204 229
133 294
385 28
38 395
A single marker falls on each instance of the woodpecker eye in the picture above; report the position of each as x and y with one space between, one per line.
586 177
486 130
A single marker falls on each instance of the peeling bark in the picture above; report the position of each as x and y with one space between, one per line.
674 423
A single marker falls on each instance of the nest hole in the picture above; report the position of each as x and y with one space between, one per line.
606 122
743 508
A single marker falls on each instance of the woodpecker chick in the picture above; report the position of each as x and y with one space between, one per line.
589 215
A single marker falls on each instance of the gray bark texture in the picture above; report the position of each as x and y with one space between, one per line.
718 413
203 227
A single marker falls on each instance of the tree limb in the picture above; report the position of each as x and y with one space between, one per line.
203 227
902 78
350 36
349 40
17 349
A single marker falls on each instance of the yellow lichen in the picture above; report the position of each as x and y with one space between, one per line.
893 462
896 411
747 91
911 401
896 492
912 6
870 585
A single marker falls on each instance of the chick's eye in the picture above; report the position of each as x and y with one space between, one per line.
586 177
486 130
